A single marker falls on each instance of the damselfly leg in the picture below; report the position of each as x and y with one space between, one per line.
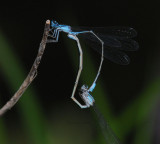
54 35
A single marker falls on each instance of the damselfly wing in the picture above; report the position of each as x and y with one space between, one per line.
116 41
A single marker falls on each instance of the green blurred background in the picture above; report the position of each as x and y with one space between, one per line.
128 96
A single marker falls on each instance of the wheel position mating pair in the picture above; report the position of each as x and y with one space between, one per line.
113 40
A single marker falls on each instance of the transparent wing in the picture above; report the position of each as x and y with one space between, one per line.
120 43
108 40
116 39
111 53
116 31
109 135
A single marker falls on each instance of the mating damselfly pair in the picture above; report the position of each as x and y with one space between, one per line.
110 42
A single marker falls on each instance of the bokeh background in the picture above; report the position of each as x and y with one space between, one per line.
128 96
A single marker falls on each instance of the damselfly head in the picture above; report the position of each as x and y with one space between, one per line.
54 24
84 88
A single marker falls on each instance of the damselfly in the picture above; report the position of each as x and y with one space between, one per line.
112 41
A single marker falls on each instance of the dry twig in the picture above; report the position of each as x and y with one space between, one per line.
32 74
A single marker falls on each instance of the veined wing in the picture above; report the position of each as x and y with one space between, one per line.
118 43
116 31
116 40
114 36
109 135
111 53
